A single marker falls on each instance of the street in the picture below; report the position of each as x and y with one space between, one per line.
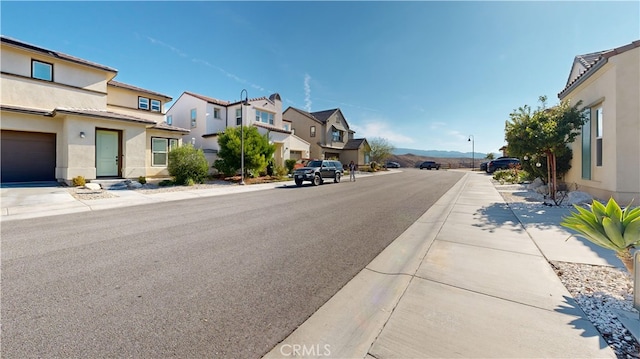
224 277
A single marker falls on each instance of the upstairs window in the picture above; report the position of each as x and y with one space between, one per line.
264 117
143 103
155 105
285 127
599 125
169 120
312 132
216 113
238 116
194 117
41 70
336 135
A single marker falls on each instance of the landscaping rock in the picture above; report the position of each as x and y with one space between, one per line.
92 186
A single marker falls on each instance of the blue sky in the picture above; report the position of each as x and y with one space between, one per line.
423 75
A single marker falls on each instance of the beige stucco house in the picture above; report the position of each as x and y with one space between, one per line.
63 117
208 117
606 156
329 135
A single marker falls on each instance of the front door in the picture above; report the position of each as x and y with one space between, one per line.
107 151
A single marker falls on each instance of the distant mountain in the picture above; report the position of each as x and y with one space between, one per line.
439 154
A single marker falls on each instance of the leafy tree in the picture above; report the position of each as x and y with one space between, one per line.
381 149
188 165
489 156
257 151
545 132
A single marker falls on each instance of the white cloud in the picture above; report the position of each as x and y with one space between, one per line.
307 92
382 129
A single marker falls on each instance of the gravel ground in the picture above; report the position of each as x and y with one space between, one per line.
598 290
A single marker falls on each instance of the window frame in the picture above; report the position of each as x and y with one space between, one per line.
33 72
239 116
599 134
170 120
216 113
270 117
586 145
151 105
193 115
312 131
141 101
169 144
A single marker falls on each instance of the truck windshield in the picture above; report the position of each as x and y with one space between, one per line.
314 164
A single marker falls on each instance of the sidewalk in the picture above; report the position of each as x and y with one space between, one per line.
466 280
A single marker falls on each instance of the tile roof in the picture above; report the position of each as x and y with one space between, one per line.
32 111
59 55
271 128
138 89
591 63
212 100
354 144
164 126
323 116
101 114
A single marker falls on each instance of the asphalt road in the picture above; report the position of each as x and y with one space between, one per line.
218 277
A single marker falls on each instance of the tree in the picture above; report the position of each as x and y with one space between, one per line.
257 151
381 149
545 132
489 156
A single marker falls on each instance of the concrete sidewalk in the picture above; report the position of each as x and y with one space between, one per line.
468 279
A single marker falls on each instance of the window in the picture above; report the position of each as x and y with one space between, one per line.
169 120
264 117
143 103
193 117
336 135
313 131
586 145
155 105
160 148
41 70
216 113
285 127
239 117
599 137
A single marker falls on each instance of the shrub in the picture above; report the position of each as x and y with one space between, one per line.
165 183
142 179
511 175
281 171
290 163
78 181
188 163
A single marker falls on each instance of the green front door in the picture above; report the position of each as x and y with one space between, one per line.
107 153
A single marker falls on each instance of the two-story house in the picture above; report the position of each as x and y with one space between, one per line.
329 135
63 117
208 117
606 155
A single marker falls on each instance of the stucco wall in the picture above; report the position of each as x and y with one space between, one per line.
32 93
616 88
302 124
126 101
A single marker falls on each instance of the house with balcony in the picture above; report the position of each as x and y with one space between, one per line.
64 117
606 155
207 118
329 135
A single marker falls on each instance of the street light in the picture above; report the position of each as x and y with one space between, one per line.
242 104
473 152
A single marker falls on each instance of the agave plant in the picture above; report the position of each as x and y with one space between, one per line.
609 227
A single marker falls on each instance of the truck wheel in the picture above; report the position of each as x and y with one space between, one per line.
298 182
316 180
337 178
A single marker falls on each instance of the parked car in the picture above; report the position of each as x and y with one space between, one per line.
429 165
483 166
317 171
393 165
501 164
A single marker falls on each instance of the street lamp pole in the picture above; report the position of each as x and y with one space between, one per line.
473 152
242 104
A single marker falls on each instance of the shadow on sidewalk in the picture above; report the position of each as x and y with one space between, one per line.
497 216
582 323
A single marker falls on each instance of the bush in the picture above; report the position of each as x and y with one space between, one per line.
281 171
188 165
165 183
78 181
511 175
290 163
142 179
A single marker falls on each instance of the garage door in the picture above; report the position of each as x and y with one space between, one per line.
28 156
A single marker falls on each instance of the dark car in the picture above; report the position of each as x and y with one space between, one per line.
483 166
393 165
502 164
316 171
429 165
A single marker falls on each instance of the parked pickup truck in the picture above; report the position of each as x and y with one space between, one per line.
429 165
317 171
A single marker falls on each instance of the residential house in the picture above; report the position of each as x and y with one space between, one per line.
329 135
64 117
606 156
208 117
